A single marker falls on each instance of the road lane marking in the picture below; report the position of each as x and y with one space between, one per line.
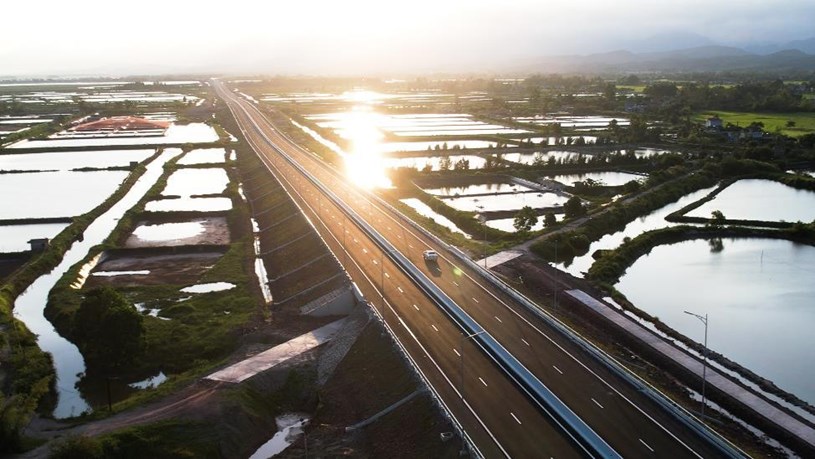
387 275
515 417
597 403
475 300
364 250
375 261
455 283
482 381
646 445
434 328
557 369
499 320
411 246
400 289
454 350
526 342
415 307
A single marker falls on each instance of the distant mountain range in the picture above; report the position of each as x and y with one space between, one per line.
795 56
697 54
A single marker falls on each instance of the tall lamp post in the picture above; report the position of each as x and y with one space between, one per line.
461 359
483 221
703 319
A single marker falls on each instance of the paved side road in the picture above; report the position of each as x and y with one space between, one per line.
693 365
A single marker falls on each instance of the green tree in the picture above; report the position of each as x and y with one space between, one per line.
549 219
109 330
525 219
574 208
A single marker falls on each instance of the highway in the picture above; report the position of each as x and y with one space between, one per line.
498 417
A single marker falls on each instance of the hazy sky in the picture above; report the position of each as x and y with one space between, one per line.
351 36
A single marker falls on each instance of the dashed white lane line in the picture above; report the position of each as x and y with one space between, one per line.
376 262
526 342
411 246
515 417
415 307
646 445
474 299
482 381
434 328
557 369
455 283
454 350
597 403
499 320
400 289
387 275
364 250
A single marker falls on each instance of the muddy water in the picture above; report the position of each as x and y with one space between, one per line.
30 305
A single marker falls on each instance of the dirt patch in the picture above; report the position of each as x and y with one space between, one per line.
198 231
163 269
373 376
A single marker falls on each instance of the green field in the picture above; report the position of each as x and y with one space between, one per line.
773 122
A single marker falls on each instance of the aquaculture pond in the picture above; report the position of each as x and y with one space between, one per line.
757 294
55 194
754 199
64 161
492 203
482 188
30 305
14 238
608 178
192 182
425 211
652 221
177 134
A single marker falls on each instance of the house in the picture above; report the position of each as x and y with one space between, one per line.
714 122
38 245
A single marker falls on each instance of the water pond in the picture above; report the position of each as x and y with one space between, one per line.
420 162
193 182
203 156
758 295
755 199
64 161
176 134
207 288
189 204
14 238
55 194
505 202
30 305
425 211
478 189
652 221
507 224
608 178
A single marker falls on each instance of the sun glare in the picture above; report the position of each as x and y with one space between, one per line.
364 164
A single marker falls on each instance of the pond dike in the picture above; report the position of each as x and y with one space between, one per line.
301 270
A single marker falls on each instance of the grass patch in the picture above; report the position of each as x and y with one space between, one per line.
773 122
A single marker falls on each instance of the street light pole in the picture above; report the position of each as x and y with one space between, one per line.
461 360
483 221
703 319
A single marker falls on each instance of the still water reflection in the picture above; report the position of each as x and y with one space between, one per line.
758 294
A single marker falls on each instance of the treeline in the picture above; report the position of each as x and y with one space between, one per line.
761 96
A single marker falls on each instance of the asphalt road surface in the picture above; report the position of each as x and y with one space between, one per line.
499 418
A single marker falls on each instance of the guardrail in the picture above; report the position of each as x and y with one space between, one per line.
569 422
